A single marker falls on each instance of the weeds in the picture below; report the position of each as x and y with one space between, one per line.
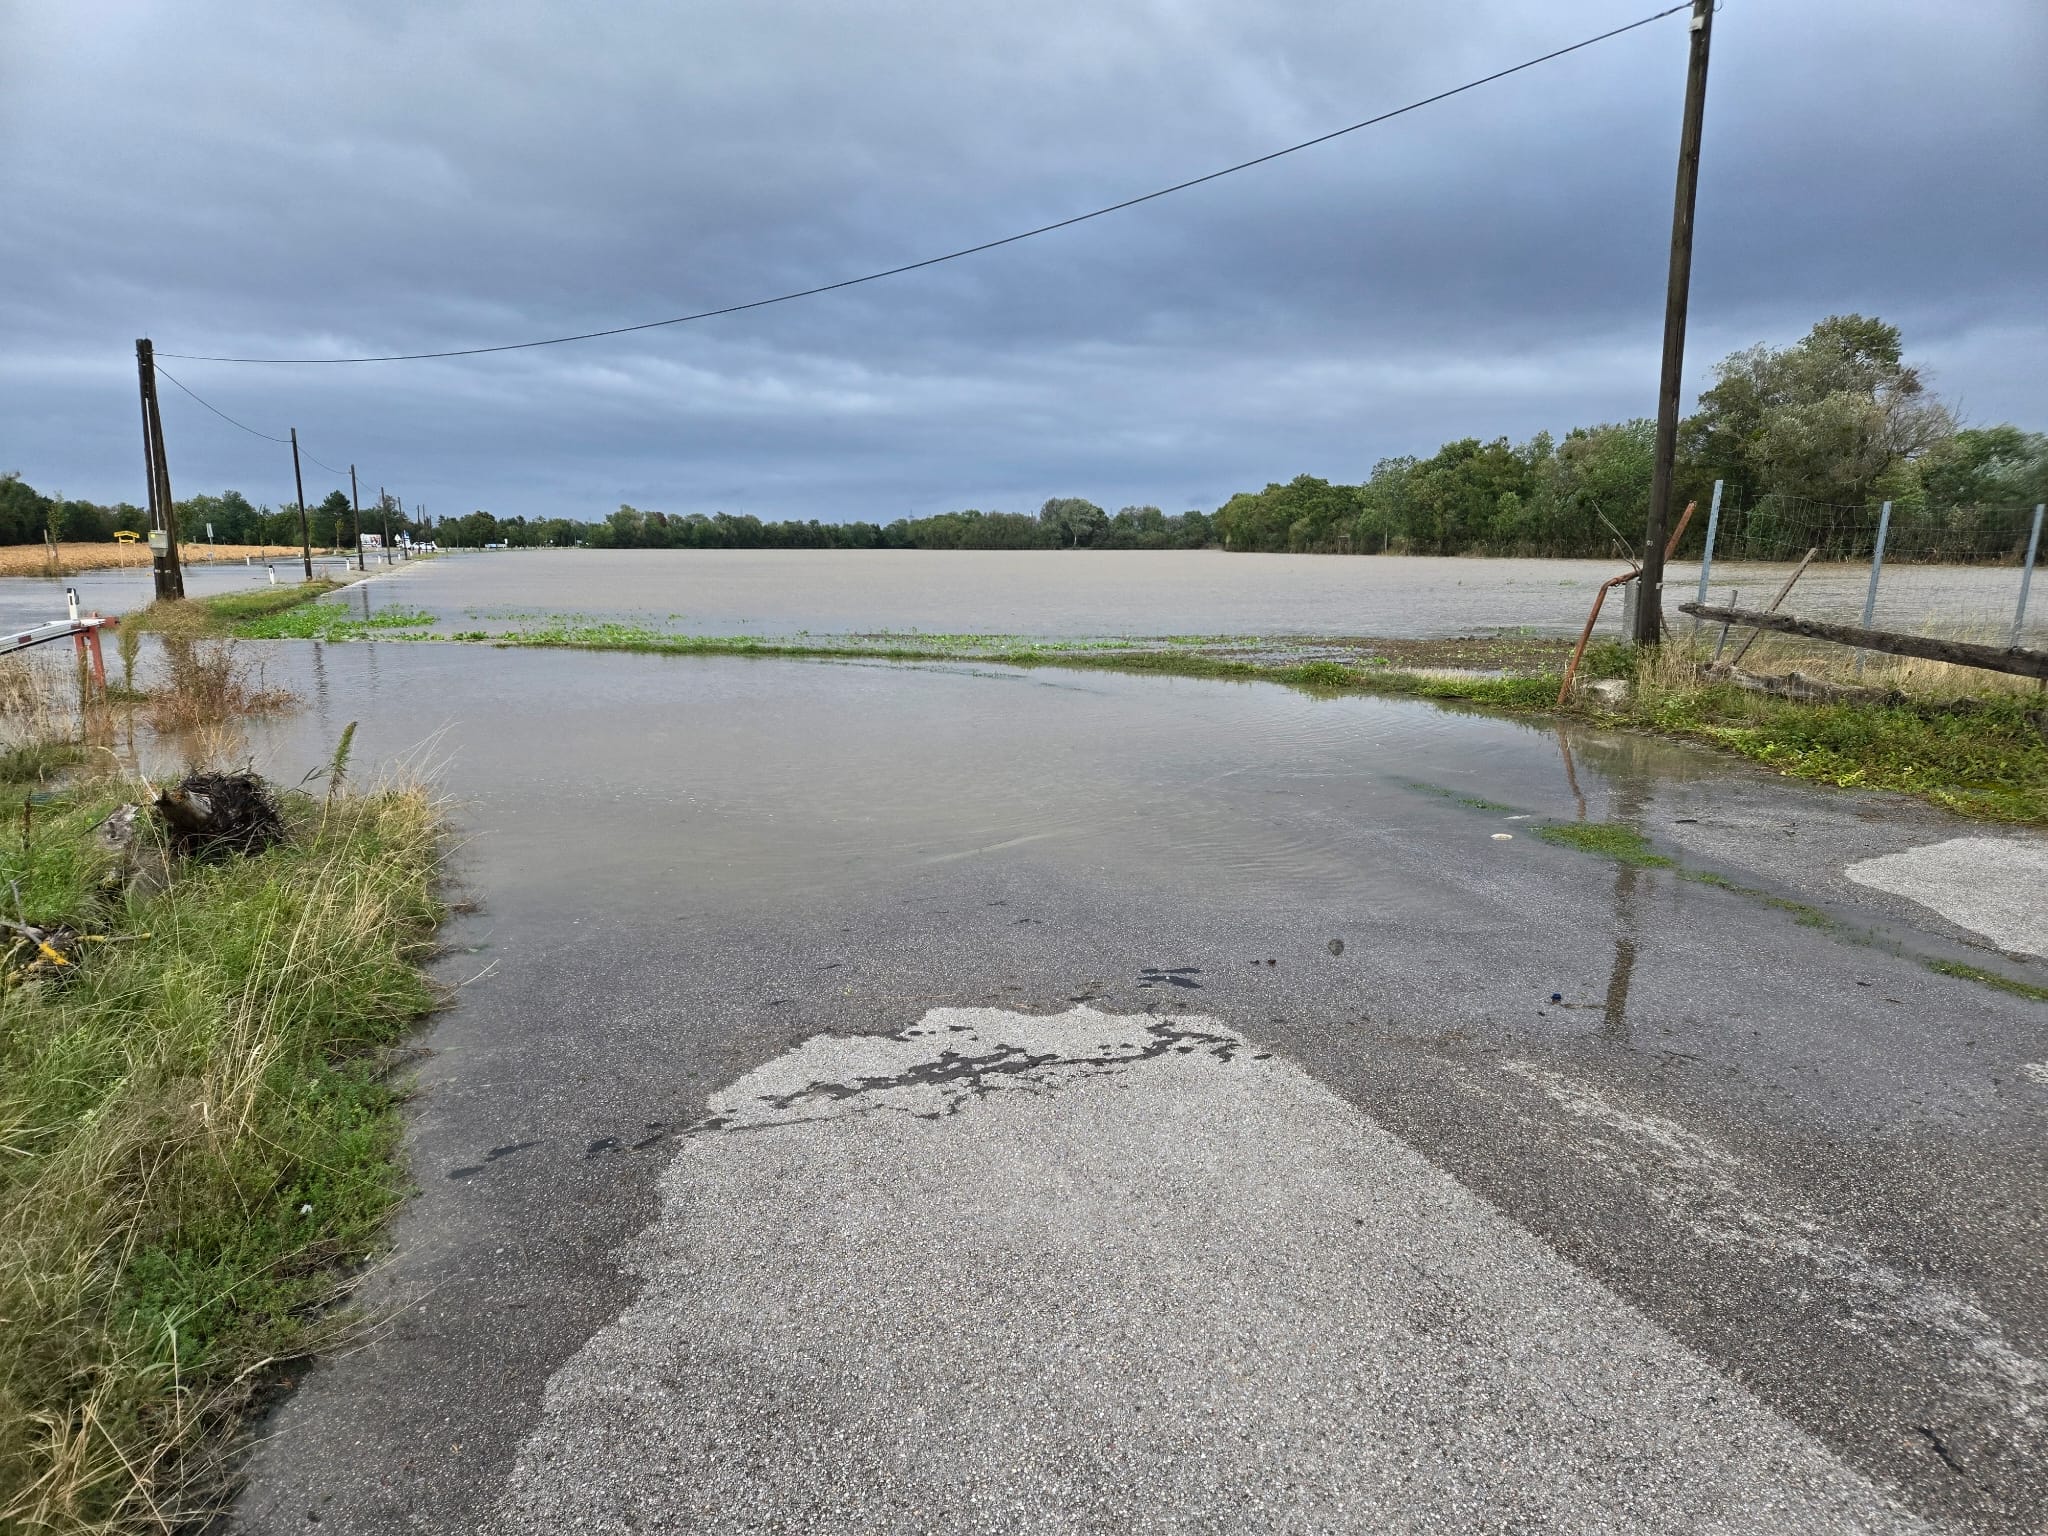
1990 979
209 681
235 606
195 1140
323 621
1608 839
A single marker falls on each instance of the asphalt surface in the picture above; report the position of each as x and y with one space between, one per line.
1743 1231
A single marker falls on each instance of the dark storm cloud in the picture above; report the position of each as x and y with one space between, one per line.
329 178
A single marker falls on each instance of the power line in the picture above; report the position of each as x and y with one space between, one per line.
971 250
338 474
224 416
163 372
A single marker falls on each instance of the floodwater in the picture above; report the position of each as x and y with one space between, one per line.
28 600
1078 594
728 781
687 866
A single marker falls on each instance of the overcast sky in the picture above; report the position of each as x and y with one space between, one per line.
400 175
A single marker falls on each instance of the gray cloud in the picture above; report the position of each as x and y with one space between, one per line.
330 178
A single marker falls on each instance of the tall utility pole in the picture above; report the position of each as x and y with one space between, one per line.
384 506
356 502
1650 602
163 512
305 536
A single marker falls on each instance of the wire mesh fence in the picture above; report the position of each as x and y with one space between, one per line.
1777 528
1961 572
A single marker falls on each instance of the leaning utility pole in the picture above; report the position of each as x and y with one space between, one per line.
163 512
356 502
305 537
1650 604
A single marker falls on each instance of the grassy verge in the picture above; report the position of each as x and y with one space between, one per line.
195 1136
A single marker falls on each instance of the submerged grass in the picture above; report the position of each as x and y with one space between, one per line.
322 621
1990 979
195 1138
1608 839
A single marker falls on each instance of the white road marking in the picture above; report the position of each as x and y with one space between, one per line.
1701 1184
1014 842
1993 886
1123 1273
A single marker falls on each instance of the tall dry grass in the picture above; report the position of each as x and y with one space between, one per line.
34 559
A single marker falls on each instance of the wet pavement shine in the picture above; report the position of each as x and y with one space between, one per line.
949 1098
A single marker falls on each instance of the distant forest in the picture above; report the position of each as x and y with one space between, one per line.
1838 417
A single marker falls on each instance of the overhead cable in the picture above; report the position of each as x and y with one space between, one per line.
224 416
971 250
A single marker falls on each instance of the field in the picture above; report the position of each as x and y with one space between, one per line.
34 559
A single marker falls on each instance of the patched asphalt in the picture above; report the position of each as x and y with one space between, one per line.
1746 1227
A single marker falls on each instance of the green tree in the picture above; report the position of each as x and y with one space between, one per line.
333 521
1072 520
1836 416
1983 466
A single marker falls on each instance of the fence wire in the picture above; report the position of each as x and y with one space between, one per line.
1780 527
1951 571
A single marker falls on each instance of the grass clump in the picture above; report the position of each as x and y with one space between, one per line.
233 607
195 1141
1982 755
1608 839
207 682
325 621
1990 979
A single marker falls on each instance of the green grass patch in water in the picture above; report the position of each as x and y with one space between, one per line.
330 621
1608 839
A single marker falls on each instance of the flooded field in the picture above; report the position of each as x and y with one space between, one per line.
26 600
1084 594
1054 595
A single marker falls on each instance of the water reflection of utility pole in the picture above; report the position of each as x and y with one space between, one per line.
1614 1016
320 682
1571 772
1628 807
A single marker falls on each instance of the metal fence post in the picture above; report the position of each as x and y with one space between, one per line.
1707 554
1884 527
2019 617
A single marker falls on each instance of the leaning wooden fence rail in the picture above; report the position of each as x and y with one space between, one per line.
2014 659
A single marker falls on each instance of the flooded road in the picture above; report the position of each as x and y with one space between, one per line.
709 1177
27 600
1088 593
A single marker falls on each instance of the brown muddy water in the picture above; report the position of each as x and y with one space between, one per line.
27 600
734 781
1094 594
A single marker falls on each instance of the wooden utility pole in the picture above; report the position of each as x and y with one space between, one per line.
305 535
1650 604
356 502
163 512
384 506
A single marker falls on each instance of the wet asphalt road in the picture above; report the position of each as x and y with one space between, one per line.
1745 1232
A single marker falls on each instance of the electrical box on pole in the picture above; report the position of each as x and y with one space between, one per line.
163 512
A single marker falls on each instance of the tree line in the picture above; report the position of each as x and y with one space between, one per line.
1837 417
